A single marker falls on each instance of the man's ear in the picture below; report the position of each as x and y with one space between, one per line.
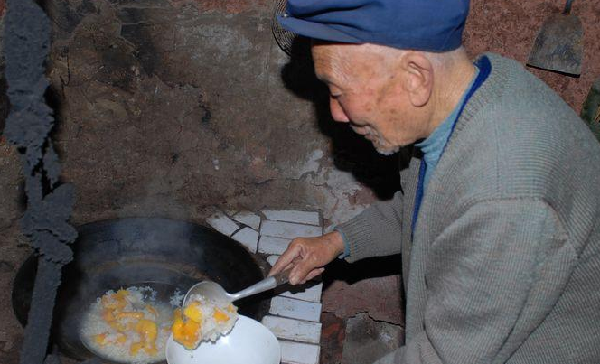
419 78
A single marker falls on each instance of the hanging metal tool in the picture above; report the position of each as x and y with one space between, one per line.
559 43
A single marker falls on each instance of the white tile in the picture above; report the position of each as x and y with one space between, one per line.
272 259
248 218
304 217
220 222
294 330
289 307
299 353
288 230
269 245
309 292
248 238
231 212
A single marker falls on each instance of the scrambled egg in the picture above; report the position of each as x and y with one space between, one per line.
123 322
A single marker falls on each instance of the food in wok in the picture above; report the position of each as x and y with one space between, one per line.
128 326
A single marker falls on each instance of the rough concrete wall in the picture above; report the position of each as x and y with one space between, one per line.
166 110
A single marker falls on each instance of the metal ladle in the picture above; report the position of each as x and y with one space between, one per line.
214 292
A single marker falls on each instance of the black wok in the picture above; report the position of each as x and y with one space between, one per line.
164 254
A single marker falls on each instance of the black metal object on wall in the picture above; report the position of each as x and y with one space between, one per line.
49 203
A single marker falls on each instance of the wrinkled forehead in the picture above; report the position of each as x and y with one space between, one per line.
342 62
324 58
333 61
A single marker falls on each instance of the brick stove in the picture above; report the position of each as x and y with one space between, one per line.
294 316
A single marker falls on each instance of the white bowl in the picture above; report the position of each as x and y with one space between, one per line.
249 342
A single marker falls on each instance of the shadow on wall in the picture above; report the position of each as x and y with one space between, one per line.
351 152
341 270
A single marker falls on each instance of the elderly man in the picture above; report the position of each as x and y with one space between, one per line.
498 219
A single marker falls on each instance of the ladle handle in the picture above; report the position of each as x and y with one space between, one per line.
264 285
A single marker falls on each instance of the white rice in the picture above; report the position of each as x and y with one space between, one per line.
137 298
177 298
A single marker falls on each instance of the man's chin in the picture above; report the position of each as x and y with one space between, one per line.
382 149
387 150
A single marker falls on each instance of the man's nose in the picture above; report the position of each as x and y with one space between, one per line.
337 112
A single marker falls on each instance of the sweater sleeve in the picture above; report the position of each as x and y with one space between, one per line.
492 277
375 231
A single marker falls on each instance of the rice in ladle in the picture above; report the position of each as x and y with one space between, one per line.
202 320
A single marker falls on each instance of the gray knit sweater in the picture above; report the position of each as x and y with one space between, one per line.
504 266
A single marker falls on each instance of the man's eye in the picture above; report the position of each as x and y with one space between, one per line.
336 96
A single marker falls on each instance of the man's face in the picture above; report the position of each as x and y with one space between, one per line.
366 92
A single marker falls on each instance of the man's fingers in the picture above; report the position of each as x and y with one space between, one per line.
286 259
306 256
301 277
314 273
300 272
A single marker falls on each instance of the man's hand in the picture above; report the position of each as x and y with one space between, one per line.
309 256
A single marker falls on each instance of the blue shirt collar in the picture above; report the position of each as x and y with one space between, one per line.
433 145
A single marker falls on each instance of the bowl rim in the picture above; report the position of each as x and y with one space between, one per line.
171 344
